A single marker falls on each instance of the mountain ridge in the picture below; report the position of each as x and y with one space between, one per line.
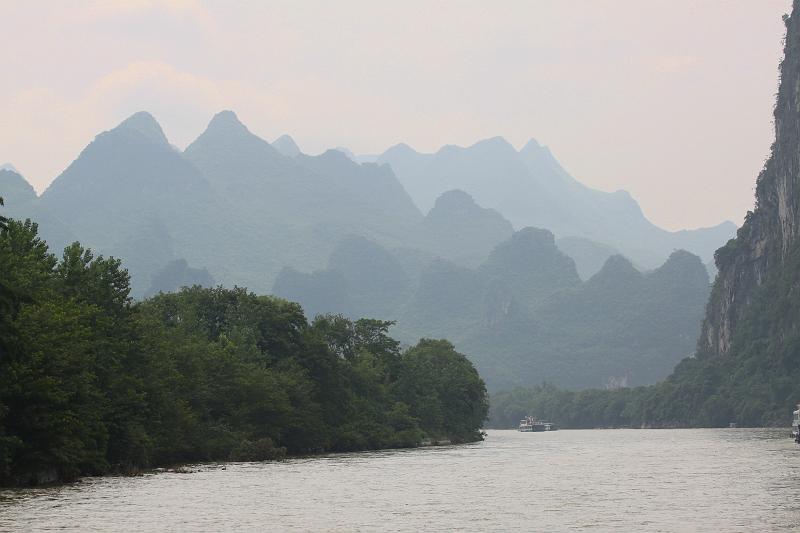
286 145
159 205
543 194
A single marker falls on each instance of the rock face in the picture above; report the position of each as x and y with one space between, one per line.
769 233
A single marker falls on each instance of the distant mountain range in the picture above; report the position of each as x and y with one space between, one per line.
426 239
530 188
523 314
230 203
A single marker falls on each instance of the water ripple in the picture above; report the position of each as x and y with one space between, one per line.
602 480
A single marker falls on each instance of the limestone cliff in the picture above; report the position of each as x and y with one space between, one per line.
769 234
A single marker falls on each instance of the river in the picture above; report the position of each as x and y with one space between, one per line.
624 480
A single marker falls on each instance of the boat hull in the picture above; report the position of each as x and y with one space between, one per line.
537 428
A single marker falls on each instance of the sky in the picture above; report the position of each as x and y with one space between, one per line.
670 100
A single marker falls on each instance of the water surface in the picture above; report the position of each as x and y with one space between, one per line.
630 480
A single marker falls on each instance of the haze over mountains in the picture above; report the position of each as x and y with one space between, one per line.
300 206
425 239
523 315
530 188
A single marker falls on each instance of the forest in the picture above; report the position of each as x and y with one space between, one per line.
93 382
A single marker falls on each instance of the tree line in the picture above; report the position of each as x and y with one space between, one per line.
92 382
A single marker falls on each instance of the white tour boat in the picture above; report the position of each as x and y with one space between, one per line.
530 424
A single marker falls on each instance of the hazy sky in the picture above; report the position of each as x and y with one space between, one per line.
671 100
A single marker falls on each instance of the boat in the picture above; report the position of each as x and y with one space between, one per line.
531 424
796 424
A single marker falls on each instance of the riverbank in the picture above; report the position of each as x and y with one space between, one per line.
51 478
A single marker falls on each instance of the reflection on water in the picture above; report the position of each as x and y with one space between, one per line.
633 480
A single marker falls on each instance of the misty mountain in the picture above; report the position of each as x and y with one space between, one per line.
177 274
309 194
266 204
362 278
358 158
129 192
519 274
235 205
529 266
16 191
458 229
339 236
619 328
376 282
21 202
321 291
350 155
589 256
530 188
124 179
286 146
230 203
373 204
523 315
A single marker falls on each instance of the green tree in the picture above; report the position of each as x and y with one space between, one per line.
91 382
443 390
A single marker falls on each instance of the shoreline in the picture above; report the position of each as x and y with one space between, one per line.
184 468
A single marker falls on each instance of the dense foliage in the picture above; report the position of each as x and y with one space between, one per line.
91 382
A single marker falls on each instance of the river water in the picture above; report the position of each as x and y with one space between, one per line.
603 480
